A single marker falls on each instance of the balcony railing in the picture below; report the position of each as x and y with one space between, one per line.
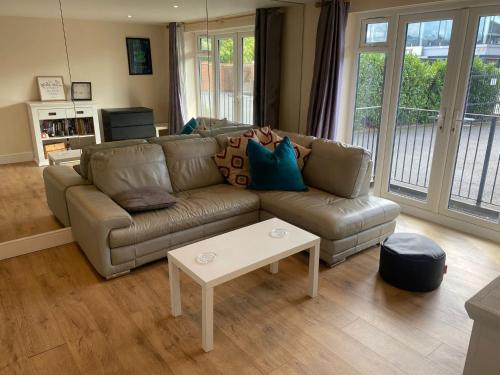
476 181
366 131
475 188
226 106
414 139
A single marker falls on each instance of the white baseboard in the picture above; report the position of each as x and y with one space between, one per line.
16 158
34 243
446 221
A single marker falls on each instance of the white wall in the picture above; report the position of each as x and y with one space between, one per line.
35 46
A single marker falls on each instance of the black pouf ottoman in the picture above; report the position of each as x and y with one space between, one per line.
411 261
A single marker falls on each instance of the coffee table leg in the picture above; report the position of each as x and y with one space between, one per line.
313 270
175 289
207 318
273 268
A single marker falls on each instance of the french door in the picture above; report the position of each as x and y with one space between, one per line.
442 149
471 189
226 88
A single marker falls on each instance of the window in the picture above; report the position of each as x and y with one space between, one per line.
368 102
429 34
225 75
374 32
370 83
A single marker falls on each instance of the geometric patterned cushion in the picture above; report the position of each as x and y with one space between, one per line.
233 160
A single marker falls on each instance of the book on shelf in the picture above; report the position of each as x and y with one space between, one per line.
66 127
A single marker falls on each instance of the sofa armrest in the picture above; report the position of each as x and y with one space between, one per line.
93 216
57 180
365 187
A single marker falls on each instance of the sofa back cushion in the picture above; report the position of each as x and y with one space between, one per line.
337 168
122 169
190 163
300 139
224 130
172 137
88 151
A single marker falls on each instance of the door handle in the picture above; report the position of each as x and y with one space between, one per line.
459 118
441 119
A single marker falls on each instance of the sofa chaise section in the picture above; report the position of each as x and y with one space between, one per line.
345 225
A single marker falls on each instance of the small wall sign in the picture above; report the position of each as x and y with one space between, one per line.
51 88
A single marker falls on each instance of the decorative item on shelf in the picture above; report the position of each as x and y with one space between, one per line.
139 56
81 91
53 147
205 258
51 88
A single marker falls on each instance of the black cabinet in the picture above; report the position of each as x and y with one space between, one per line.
127 123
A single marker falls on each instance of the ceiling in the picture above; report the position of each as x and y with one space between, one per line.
144 11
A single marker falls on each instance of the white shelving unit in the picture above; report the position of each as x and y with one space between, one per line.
75 124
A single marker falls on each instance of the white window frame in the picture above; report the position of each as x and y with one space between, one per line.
388 48
364 27
237 35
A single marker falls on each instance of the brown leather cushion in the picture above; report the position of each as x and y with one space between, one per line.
88 151
144 199
133 167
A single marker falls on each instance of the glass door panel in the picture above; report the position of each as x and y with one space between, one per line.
247 79
206 77
475 189
226 78
419 112
368 103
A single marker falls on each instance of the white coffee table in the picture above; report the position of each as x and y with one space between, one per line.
59 157
238 252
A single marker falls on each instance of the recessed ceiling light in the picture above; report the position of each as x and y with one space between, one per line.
129 16
176 6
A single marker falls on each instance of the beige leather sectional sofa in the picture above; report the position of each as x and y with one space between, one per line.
337 206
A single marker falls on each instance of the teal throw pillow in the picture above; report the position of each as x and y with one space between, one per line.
276 170
190 126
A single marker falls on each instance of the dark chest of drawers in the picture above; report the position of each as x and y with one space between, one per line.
127 123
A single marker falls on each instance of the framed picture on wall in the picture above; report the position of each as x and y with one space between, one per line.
81 91
51 88
139 56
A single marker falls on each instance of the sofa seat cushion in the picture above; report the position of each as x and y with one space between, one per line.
327 215
193 208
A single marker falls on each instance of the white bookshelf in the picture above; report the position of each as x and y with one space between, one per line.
75 124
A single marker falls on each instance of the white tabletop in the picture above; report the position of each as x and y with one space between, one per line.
65 155
241 251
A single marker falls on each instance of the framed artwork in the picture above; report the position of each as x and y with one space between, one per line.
139 56
51 88
81 91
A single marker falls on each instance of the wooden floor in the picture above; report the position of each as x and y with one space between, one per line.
23 206
58 317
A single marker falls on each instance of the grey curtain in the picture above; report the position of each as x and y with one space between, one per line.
322 119
268 25
175 120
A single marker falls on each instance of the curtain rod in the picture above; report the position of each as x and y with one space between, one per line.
319 4
217 19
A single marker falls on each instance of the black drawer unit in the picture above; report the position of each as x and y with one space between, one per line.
127 123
